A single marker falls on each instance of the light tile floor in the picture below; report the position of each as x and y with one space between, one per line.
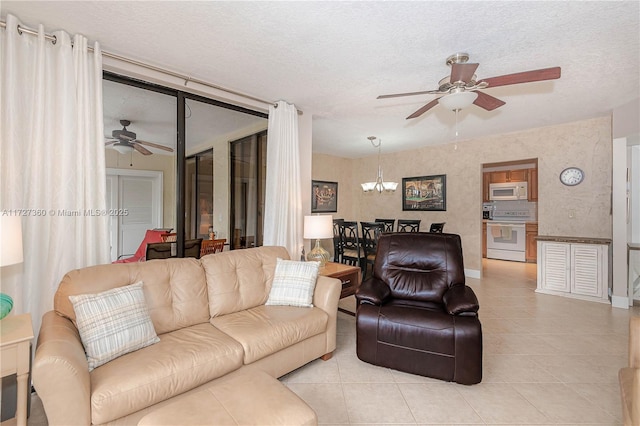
547 360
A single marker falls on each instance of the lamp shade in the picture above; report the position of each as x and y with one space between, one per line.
10 240
459 100
318 227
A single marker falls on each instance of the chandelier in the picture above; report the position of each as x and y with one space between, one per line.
379 184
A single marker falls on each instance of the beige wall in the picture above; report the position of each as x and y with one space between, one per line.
585 144
158 162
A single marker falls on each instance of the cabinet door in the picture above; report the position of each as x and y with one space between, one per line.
555 266
499 177
533 185
531 253
486 180
586 269
518 175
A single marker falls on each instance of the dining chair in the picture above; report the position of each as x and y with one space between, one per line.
352 253
337 242
370 233
168 249
388 224
437 227
212 246
408 225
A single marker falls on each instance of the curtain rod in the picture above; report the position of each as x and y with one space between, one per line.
53 39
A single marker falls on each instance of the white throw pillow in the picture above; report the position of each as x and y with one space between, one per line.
113 323
293 283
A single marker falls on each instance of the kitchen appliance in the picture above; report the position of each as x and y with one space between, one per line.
487 211
508 191
506 232
506 241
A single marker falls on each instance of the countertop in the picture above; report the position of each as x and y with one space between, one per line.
577 240
497 221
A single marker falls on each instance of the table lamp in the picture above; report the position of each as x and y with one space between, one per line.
318 227
10 253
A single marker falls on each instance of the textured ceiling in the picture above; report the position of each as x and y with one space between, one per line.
332 59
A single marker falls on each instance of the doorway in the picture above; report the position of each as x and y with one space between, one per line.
137 195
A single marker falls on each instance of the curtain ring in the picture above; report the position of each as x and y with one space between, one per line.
19 30
55 39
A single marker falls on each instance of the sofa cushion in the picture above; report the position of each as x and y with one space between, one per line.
182 360
240 279
264 330
175 290
113 323
293 283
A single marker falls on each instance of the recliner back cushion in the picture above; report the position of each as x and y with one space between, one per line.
174 289
419 266
240 279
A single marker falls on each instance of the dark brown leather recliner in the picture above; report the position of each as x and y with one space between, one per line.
415 314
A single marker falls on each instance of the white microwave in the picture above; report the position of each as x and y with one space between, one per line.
508 191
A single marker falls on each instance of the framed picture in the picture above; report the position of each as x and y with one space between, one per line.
424 193
324 196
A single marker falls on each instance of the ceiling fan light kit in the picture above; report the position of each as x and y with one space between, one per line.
122 148
379 185
461 88
458 100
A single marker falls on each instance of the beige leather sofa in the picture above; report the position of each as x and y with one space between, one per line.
211 318
629 377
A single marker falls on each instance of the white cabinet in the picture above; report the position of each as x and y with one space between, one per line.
574 269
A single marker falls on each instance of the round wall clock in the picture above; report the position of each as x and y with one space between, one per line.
571 176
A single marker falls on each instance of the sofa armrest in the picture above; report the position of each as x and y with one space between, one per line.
460 299
373 291
634 342
326 296
61 372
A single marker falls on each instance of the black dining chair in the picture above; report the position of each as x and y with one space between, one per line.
388 224
408 225
352 253
437 227
337 241
168 249
370 233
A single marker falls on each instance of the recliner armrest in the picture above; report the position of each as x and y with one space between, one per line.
373 291
460 299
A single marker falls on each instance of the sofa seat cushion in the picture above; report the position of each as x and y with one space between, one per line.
420 328
264 330
182 360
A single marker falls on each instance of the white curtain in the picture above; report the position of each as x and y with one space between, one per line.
283 201
52 165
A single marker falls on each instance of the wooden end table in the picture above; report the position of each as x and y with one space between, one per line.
349 275
15 343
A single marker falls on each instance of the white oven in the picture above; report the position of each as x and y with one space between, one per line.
506 241
508 191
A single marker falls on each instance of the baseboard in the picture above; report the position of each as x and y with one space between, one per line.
472 273
620 302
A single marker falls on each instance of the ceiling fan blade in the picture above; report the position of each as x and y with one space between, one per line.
397 95
154 145
424 109
141 149
487 102
523 77
462 72
107 143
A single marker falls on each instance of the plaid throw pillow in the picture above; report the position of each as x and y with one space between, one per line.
293 283
113 323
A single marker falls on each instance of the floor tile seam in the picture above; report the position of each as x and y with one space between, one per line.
566 385
404 398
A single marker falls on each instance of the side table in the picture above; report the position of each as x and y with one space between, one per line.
15 343
349 275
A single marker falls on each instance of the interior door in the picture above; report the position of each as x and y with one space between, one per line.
138 195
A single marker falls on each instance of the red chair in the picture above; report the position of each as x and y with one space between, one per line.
151 236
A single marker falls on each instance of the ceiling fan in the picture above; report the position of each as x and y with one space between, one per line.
125 141
461 88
